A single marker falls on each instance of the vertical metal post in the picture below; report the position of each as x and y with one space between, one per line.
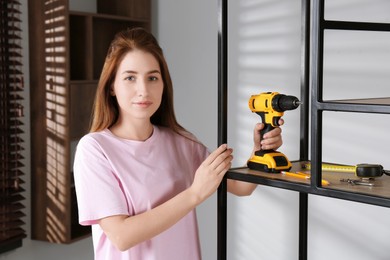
317 46
303 226
305 80
222 71
304 127
222 123
222 221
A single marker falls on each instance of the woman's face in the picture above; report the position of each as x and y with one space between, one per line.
138 86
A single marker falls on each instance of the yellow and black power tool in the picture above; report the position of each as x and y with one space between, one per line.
270 106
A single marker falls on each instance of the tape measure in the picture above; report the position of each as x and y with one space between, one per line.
362 170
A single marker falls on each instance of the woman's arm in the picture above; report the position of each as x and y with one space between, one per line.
271 140
127 231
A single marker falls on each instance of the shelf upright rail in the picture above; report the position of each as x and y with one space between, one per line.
304 123
222 123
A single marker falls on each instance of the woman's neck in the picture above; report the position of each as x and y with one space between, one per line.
138 131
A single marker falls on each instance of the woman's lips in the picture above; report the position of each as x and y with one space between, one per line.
143 103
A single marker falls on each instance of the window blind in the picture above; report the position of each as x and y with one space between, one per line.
11 115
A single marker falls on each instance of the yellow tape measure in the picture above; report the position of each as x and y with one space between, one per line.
332 167
363 170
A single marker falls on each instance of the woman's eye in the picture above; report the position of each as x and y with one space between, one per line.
153 78
131 78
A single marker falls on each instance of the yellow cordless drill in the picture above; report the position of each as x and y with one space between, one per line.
270 106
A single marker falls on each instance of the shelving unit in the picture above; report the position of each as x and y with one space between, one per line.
67 52
312 45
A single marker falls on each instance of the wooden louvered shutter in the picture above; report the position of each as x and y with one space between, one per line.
11 114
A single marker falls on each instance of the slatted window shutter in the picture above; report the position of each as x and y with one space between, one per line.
11 115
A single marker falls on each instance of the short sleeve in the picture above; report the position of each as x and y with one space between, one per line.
201 153
98 190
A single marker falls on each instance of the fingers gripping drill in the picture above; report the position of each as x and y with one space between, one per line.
270 106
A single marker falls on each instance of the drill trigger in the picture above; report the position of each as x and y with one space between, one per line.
276 120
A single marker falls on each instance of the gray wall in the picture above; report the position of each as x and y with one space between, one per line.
187 31
264 54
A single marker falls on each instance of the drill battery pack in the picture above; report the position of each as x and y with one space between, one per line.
269 161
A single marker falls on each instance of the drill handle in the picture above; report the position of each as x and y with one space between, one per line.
266 129
267 126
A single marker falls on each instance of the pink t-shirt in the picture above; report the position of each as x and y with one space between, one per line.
115 176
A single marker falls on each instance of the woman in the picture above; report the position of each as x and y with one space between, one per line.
139 175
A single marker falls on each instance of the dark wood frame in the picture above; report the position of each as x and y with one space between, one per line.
12 147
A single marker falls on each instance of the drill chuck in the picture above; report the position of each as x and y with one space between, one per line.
282 102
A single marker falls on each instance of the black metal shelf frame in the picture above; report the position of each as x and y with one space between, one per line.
318 105
312 38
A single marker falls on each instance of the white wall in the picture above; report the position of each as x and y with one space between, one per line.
189 38
187 31
264 54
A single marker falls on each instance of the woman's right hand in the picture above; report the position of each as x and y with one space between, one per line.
211 172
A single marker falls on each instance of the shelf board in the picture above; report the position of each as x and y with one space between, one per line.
378 194
269 179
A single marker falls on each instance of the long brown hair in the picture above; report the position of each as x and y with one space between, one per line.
106 110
